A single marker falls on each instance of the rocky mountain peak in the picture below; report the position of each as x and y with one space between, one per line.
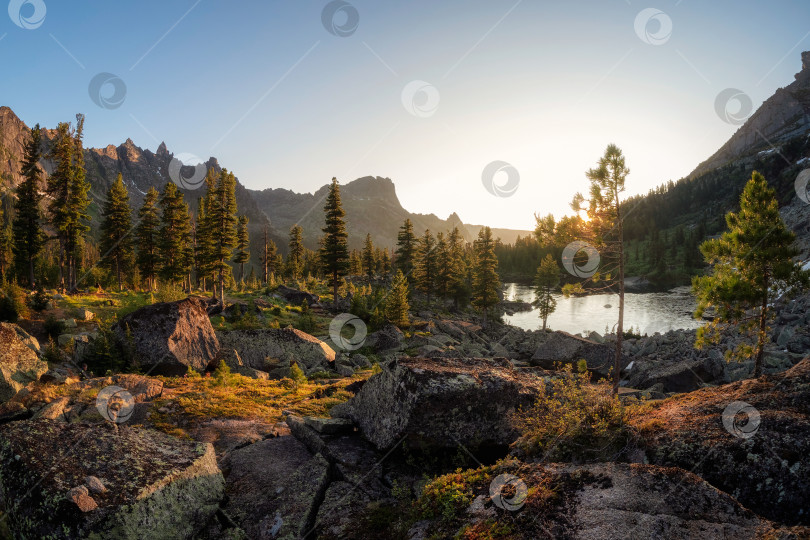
162 150
806 60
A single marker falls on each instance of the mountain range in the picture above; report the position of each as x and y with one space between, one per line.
774 138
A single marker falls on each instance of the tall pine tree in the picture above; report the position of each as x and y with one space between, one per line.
242 246
116 226
295 257
396 303
221 210
175 231
146 238
334 253
369 261
425 270
269 257
29 237
547 277
485 277
406 249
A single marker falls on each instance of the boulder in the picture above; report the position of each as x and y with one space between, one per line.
387 338
19 364
441 403
749 438
85 314
170 337
274 349
154 486
565 348
606 501
296 297
683 374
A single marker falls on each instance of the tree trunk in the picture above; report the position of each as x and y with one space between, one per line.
118 273
617 362
335 290
222 287
763 317
31 272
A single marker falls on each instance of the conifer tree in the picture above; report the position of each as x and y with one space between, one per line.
485 278
457 272
29 237
396 303
221 210
269 258
5 248
116 227
334 252
547 277
175 231
369 260
205 243
406 248
355 263
605 231
443 267
425 268
77 204
295 257
751 261
242 246
384 262
146 238
58 189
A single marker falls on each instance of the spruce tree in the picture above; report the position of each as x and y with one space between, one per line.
242 246
77 205
485 277
146 238
369 259
605 231
29 237
425 264
443 267
406 248
334 252
116 227
751 262
222 216
295 257
6 257
205 245
396 303
175 231
58 187
547 277
385 262
269 258
457 272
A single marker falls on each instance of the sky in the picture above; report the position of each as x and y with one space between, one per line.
491 109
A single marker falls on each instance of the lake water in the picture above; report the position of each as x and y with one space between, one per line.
648 312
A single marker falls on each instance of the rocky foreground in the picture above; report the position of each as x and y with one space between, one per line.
89 457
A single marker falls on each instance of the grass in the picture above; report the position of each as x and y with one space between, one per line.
191 399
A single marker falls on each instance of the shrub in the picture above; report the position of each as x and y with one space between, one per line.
222 375
39 300
12 303
169 292
297 374
53 327
52 354
574 420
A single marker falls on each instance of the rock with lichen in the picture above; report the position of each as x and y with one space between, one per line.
80 481
19 363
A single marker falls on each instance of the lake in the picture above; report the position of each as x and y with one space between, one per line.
647 312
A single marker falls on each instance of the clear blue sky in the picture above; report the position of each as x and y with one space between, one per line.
542 85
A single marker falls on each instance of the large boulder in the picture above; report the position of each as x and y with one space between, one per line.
564 348
78 481
273 350
442 403
606 501
170 337
296 297
19 364
387 338
749 438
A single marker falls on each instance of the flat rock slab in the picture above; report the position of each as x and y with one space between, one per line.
442 403
156 486
274 349
564 348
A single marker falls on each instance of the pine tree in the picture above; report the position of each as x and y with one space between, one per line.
751 261
174 236
6 237
205 244
146 238
485 278
457 272
443 266
396 303
355 263
58 189
116 226
334 253
406 247
29 237
77 205
425 264
295 257
222 216
369 259
269 258
605 230
242 246
384 262
547 277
